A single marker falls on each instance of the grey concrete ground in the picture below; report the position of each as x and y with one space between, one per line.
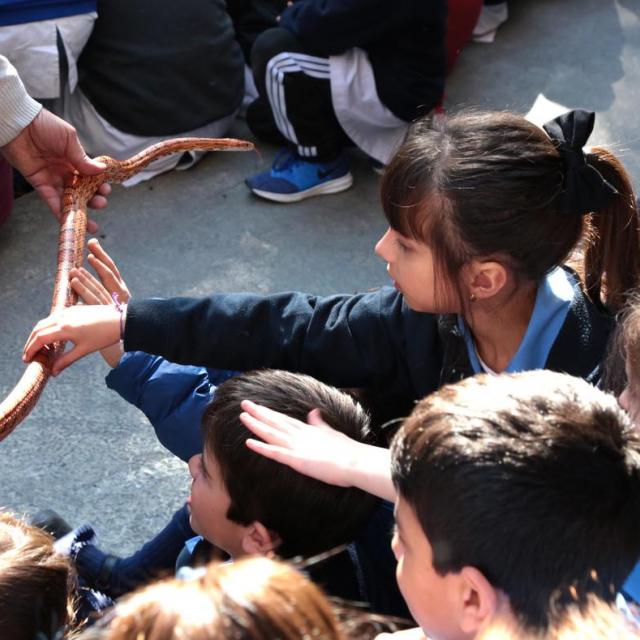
92 457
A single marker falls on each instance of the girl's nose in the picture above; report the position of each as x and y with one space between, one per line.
382 246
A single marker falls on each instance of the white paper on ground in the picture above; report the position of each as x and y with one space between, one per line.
544 110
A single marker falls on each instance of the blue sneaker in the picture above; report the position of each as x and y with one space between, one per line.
293 178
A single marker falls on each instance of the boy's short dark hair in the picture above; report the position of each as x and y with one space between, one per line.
531 478
308 515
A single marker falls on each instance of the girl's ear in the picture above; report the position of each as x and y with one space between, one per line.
480 601
486 279
258 540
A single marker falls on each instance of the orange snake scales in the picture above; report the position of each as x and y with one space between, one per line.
21 400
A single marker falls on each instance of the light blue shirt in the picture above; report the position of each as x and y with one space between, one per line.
553 300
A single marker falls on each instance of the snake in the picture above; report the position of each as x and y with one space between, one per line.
78 190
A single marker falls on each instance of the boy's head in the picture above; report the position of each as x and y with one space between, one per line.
35 582
245 503
517 493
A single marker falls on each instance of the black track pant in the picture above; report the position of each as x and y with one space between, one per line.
297 88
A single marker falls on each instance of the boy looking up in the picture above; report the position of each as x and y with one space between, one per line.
246 504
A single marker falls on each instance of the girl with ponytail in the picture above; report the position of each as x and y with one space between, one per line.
486 212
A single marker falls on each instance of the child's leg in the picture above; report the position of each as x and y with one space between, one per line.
297 87
116 576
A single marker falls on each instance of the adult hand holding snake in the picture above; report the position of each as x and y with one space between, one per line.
46 152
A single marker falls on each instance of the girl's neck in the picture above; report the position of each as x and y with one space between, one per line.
498 327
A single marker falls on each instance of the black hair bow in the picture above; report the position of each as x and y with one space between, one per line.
584 188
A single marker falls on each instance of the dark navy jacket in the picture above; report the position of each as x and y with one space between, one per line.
370 340
405 41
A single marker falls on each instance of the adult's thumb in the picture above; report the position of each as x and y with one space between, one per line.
80 160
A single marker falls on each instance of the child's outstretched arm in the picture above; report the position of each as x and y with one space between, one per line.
318 451
92 292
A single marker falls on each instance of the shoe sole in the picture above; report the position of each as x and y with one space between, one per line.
333 186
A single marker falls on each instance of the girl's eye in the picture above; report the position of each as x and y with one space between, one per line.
401 245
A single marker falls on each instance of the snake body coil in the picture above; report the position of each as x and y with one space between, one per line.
24 396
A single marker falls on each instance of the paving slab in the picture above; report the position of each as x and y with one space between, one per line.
88 454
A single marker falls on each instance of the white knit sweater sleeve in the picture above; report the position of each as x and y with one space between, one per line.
17 107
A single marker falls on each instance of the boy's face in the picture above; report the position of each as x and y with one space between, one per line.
209 503
434 600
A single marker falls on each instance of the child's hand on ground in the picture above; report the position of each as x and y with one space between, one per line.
317 450
90 328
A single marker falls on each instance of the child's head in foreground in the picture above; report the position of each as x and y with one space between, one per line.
517 493
246 504
252 599
35 583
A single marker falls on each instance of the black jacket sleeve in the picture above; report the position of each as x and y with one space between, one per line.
367 340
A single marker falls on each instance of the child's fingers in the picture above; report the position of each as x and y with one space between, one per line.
275 453
86 279
84 293
89 290
101 267
315 418
275 419
107 277
95 285
97 250
43 334
262 430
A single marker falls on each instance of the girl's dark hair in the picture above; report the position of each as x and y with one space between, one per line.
486 185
